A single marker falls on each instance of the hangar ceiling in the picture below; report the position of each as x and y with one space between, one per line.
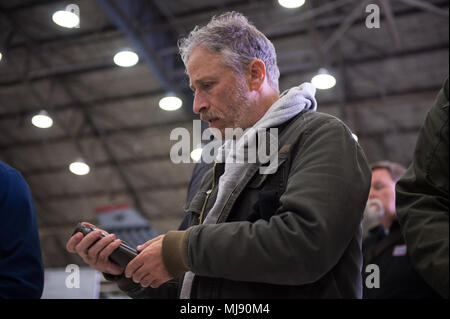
387 79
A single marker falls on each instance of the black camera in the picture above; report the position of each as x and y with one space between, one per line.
121 256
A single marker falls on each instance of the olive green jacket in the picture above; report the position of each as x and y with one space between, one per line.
292 234
422 198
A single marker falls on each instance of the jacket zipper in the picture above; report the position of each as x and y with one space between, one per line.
208 193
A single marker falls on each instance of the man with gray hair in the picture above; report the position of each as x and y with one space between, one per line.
385 246
294 233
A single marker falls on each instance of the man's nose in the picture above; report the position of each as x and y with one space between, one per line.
371 193
200 103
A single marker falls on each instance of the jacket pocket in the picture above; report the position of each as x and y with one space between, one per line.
193 210
196 203
266 206
258 180
269 188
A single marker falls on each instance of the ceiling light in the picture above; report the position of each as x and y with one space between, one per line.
66 19
170 103
355 137
291 4
126 58
1 56
196 154
79 167
42 120
323 80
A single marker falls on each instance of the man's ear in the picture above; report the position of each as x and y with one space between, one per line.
256 75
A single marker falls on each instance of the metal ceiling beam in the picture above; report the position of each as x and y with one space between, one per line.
237 5
429 7
78 35
88 118
301 69
234 5
64 70
38 98
106 133
98 164
324 23
115 192
254 9
129 16
162 6
308 67
334 20
121 14
314 34
312 67
392 27
28 4
352 17
101 102
82 34
351 102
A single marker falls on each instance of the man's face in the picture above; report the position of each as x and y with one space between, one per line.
221 96
383 188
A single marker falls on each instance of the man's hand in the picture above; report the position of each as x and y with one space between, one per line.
96 256
148 268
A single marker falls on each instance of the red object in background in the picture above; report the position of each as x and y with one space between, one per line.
111 208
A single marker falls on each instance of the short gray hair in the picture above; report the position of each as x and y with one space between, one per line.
395 169
239 41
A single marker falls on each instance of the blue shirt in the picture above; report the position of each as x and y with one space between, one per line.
21 268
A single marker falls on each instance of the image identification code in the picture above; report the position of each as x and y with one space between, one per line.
234 308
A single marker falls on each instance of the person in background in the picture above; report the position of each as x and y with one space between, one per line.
423 198
21 268
385 246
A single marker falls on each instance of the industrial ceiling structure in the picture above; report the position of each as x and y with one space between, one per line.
387 79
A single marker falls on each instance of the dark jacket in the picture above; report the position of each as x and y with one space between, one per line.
422 198
398 279
292 234
200 170
21 269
